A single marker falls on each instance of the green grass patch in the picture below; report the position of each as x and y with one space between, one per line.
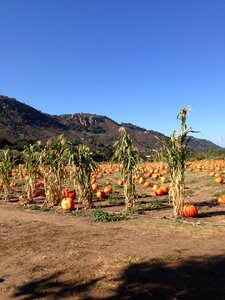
37 207
220 193
75 213
133 210
98 215
154 205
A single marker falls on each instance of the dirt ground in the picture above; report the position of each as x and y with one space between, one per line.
53 255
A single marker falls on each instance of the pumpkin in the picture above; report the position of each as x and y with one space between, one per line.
159 192
221 199
218 180
155 175
163 179
101 194
39 192
165 190
108 189
190 210
141 180
67 203
71 194
94 186
120 182
155 187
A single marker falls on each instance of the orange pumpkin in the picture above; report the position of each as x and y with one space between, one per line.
120 182
190 210
155 187
221 199
159 192
165 190
94 186
101 195
141 180
67 203
108 189
39 192
163 179
218 180
71 194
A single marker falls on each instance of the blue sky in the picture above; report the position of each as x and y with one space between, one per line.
136 61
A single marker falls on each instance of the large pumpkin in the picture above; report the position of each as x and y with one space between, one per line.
190 210
67 203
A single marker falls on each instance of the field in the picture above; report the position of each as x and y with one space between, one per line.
141 253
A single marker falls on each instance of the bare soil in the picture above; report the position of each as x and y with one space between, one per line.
54 255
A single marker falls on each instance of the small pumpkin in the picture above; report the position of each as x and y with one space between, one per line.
39 192
71 194
120 182
101 195
67 203
190 211
163 179
159 192
155 187
218 180
141 180
108 189
221 199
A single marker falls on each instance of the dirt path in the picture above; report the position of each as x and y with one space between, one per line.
50 255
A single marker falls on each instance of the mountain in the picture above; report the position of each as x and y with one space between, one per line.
18 119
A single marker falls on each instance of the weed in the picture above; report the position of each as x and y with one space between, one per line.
220 193
36 269
37 207
75 213
132 211
99 215
113 201
154 205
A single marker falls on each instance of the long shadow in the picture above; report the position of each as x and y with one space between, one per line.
211 214
198 278
210 203
52 288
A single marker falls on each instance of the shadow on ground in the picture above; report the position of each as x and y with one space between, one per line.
52 287
197 278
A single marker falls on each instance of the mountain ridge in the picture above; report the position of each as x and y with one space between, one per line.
17 118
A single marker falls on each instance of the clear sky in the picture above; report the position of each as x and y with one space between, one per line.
136 61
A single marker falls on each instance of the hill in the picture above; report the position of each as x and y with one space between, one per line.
20 120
